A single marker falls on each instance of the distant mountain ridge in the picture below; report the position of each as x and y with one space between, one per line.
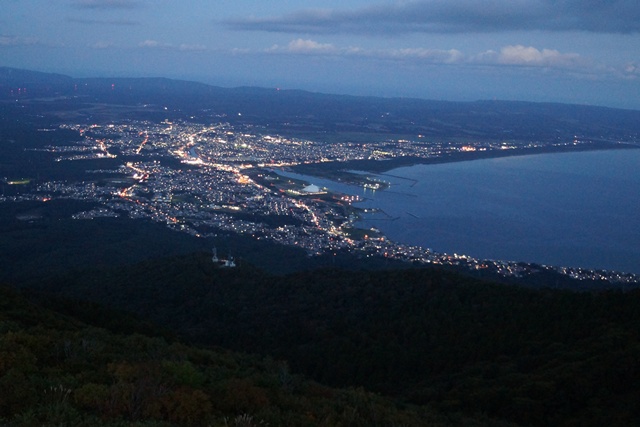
14 77
299 110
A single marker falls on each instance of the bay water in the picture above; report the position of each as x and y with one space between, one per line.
579 209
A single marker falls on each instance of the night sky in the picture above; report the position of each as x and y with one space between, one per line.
575 51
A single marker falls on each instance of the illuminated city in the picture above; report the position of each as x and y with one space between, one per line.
211 179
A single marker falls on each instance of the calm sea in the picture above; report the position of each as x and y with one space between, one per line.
568 209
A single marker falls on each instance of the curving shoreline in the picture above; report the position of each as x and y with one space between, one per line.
364 171
381 166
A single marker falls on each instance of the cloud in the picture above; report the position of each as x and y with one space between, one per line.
101 45
120 22
439 56
512 55
191 47
153 44
184 47
9 41
631 70
106 4
13 41
461 16
305 47
531 57
311 47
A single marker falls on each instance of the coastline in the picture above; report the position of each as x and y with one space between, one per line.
331 169
364 170
537 209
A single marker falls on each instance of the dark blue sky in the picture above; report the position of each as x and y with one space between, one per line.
577 51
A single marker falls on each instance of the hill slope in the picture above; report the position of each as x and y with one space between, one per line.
56 370
531 357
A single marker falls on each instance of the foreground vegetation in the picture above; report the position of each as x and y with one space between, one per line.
58 371
471 350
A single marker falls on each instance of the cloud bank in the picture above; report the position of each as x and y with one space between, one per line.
106 4
184 47
459 16
117 22
10 41
531 57
631 70
512 55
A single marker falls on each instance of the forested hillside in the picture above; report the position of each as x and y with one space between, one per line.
425 336
56 370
